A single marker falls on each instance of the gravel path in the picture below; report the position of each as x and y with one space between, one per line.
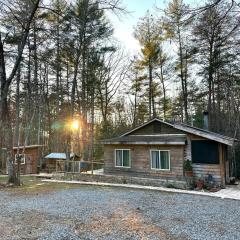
90 212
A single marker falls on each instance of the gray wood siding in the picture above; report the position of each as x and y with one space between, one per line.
205 169
140 160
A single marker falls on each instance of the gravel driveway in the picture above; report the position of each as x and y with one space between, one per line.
89 212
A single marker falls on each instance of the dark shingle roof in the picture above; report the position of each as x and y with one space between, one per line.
192 130
130 138
206 134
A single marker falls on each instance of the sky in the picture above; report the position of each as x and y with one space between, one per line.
124 25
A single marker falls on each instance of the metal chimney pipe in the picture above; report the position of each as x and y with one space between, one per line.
205 120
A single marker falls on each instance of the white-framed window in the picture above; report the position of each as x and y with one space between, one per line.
22 158
160 159
123 158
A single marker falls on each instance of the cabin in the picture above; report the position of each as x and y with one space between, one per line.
30 156
158 149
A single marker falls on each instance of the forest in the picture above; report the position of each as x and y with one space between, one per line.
67 83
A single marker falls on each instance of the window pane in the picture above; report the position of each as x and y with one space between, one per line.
118 158
164 159
126 158
155 159
21 158
204 151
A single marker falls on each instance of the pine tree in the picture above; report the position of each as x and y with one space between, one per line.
147 33
175 24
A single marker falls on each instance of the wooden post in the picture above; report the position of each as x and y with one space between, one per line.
222 164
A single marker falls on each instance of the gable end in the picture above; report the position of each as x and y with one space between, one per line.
153 127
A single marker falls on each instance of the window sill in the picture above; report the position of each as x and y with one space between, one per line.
122 167
163 170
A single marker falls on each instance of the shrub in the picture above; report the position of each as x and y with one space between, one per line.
187 166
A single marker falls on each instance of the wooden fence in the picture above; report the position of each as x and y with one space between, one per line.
63 166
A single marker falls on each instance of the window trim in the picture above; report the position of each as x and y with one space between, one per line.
21 163
160 169
130 157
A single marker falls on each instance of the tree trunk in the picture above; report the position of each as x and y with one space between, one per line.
150 97
92 128
184 93
74 82
17 127
164 92
4 89
5 120
210 85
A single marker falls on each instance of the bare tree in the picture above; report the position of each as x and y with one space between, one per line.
5 121
110 76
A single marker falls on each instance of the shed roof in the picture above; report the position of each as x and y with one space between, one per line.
163 139
59 155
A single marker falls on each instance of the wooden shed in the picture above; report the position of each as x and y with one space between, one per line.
158 149
30 158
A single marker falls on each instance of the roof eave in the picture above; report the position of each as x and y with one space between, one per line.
228 142
142 143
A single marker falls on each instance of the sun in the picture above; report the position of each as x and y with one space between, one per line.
75 125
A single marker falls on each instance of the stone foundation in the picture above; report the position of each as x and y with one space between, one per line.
120 179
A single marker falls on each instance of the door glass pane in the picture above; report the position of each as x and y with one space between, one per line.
22 160
164 159
118 158
126 158
155 159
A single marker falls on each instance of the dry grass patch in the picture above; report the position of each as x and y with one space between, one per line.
41 188
34 186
